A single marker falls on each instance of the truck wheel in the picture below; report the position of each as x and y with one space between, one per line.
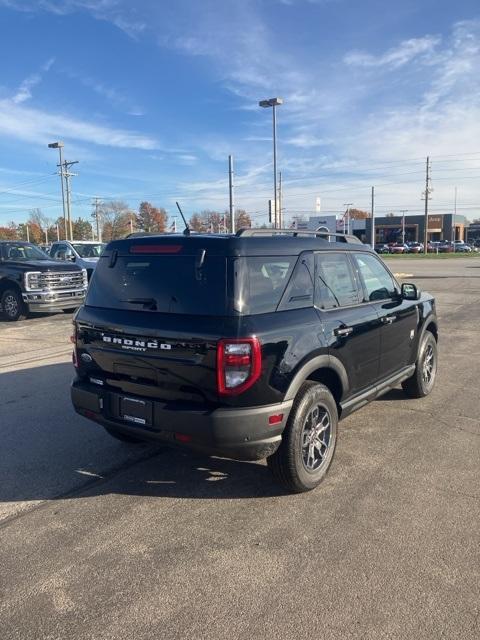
421 383
124 437
308 442
13 306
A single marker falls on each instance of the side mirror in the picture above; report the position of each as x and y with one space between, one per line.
62 255
410 291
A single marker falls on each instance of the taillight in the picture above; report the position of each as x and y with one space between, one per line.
239 364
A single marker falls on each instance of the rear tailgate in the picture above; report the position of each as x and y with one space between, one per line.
154 355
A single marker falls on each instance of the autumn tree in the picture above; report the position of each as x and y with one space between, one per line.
82 229
151 219
115 219
10 232
358 214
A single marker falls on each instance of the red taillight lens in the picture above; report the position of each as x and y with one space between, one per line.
155 248
239 364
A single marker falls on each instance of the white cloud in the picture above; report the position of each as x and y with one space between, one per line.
24 92
396 57
35 125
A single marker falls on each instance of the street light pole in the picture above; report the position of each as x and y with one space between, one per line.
59 145
274 103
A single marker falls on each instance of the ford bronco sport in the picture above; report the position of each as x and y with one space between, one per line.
247 346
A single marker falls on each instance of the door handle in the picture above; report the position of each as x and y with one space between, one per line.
343 331
388 319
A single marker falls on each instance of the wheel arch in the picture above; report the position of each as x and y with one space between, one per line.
326 370
7 283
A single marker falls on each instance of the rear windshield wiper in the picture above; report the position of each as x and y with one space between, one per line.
148 303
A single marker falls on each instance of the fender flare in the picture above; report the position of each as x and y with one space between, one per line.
319 362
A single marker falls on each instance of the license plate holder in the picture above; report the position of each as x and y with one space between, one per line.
135 411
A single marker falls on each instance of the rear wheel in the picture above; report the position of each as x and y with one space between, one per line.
421 383
305 454
13 306
124 437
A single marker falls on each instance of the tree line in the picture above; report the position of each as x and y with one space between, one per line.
115 219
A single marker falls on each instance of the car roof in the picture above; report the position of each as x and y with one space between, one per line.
241 244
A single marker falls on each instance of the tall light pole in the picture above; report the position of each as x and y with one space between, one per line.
274 103
59 145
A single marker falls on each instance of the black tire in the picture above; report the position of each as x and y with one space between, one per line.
290 463
12 304
124 437
421 383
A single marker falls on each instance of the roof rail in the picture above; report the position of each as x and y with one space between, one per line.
340 237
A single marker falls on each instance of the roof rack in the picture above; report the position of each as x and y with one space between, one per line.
340 237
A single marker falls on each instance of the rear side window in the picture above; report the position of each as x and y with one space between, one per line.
335 284
160 283
299 291
378 283
259 282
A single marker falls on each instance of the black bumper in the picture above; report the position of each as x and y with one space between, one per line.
241 434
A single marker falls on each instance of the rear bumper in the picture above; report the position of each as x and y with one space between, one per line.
241 434
45 301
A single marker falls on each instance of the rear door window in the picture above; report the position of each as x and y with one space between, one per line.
259 282
335 283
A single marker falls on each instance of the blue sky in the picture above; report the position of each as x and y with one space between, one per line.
152 96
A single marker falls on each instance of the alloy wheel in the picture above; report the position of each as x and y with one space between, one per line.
316 438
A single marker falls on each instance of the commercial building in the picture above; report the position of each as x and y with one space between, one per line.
444 226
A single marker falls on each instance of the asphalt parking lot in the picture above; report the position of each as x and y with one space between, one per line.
99 539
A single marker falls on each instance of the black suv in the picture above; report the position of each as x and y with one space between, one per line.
247 346
30 281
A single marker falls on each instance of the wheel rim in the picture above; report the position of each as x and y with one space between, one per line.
10 305
316 438
428 368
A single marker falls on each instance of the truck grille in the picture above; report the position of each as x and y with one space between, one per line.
59 280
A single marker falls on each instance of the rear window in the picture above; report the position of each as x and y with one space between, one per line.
221 286
166 284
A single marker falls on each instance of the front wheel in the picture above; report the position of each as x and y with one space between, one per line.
421 383
305 454
13 306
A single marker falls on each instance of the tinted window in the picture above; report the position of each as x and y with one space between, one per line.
167 284
378 283
335 284
91 250
260 282
299 292
18 251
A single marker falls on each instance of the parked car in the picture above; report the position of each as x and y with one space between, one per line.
83 252
459 246
382 248
415 247
32 282
399 247
255 348
445 246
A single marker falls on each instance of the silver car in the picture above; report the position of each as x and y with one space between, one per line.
85 253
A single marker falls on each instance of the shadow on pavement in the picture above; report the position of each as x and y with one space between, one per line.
48 451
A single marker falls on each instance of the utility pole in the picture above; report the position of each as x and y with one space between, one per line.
59 145
372 230
28 232
280 212
58 233
96 216
347 214
230 191
403 212
427 196
454 231
68 175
